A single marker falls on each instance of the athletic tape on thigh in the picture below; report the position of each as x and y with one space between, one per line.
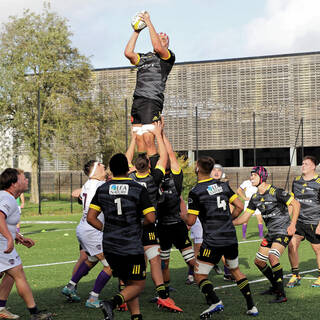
188 254
262 257
232 264
138 130
275 252
165 254
202 268
92 259
105 263
152 252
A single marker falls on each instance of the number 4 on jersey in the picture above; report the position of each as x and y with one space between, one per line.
221 203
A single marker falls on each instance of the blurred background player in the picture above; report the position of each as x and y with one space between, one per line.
306 189
153 70
245 191
20 202
273 204
90 239
209 200
122 202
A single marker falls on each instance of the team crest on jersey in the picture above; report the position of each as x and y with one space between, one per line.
214 189
142 183
116 189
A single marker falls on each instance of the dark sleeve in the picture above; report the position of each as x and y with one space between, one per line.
251 206
157 175
145 203
283 196
193 204
172 58
178 180
293 186
153 160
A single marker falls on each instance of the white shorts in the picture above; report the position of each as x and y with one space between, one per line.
9 260
90 239
196 232
246 205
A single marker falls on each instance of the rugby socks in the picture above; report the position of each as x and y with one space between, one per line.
33 310
267 271
162 292
190 271
2 304
260 227
278 278
121 286
244 230
206 288
167 286
244 287
226 270
136 317
117 300
318 273
81 272
295 271
101 281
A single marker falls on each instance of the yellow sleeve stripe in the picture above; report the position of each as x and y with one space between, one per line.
194 212
250 211
130 165
176 172
135 64
168 56
151 209
235 196
94 207
290 200
162 170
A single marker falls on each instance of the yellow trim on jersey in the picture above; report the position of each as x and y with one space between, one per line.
235 196
121 178
250 211
135 64
151 209
94 207
162 169
298 178
316 176
206 180
269 186
290 200
168 57
176 172
141 175
194 212
130 165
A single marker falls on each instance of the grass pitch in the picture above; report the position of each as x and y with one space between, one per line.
48 267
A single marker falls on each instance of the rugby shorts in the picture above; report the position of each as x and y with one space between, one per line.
145 111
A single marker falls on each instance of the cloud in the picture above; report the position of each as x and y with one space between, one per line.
287 26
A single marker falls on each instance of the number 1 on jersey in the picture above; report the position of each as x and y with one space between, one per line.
221 204
117 201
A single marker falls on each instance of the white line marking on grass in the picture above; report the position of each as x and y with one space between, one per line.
249 241
49 264
263 279
59 230
46 222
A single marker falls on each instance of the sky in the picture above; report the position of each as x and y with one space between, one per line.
198 29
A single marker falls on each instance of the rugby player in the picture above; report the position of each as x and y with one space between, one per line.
90 239
306 189
153 70
12 183
122 202
209 200
273 204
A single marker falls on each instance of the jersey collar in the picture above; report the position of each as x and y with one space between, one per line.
206 180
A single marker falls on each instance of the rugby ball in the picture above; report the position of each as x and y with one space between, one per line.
137 23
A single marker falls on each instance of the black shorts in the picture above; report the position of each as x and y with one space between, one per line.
213 254
280 238
127 267
176 234
308 231
145 111
149 235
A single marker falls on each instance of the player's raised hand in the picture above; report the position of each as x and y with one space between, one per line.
145 16
157 128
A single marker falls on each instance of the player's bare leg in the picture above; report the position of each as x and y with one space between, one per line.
83 257
316 249
139 141
149 141
294 260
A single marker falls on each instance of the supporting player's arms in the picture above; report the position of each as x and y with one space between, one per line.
244 218
295 214
238 208
149 218
92 219
130 151
5 232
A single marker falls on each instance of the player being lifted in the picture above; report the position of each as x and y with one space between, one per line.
90 239
273 204
123 202
153 70
150 176
209 200
306 189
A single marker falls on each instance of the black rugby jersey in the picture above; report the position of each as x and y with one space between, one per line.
122 201
273 207
152 75
151 181
307 193
168 210
210 199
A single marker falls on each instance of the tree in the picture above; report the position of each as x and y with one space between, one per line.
36 55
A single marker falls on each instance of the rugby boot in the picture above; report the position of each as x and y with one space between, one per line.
269 291
71 294
123 307
91 303
294 281
169 304
107 310
316 283
6 314
214 308
41 315
280 298
253 311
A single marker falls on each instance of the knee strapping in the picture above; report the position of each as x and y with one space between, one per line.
275 252
202 268
232 264
152 252
187 255
165 254
261 257
104 262
92 259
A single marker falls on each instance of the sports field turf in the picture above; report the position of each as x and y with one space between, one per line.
48 268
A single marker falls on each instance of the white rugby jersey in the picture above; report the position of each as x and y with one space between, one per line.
248 188
9 206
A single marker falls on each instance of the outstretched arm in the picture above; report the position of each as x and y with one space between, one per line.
130 151
174 164
129 50
163 155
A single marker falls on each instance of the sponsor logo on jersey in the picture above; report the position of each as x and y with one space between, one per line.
142 183
214 189
11 261
116 189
